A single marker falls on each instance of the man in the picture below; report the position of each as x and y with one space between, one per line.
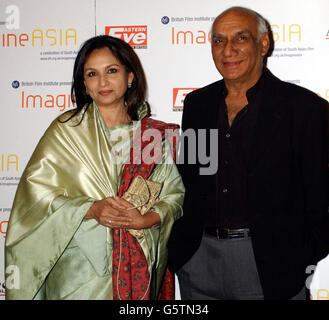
250 230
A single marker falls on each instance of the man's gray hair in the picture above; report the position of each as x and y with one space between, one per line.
262 24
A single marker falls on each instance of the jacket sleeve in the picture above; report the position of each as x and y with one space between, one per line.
315 180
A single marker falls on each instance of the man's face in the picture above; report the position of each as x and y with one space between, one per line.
236 51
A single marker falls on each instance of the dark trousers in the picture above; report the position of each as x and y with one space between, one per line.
222 269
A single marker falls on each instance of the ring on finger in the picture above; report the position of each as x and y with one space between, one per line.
110 222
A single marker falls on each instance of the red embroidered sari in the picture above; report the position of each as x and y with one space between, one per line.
131 277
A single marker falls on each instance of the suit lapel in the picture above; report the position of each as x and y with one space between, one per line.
271 113
212 105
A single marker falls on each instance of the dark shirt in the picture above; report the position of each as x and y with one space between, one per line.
234 145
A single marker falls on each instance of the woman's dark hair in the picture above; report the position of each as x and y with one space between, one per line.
134 96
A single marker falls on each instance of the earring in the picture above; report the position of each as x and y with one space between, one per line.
129 84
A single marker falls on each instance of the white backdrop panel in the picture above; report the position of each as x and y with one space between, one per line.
38 44
39 40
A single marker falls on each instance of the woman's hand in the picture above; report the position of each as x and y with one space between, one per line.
148 220
109 213
115 213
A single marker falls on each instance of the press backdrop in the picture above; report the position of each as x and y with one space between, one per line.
39 40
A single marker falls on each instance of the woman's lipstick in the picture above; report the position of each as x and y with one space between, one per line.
105 92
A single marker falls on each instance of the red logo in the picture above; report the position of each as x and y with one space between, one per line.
3 228
136 36
179 95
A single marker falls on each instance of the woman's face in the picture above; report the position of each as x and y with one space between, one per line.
105 78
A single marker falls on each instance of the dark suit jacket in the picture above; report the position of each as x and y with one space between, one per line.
287 184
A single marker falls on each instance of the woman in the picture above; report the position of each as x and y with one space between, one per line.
71 232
